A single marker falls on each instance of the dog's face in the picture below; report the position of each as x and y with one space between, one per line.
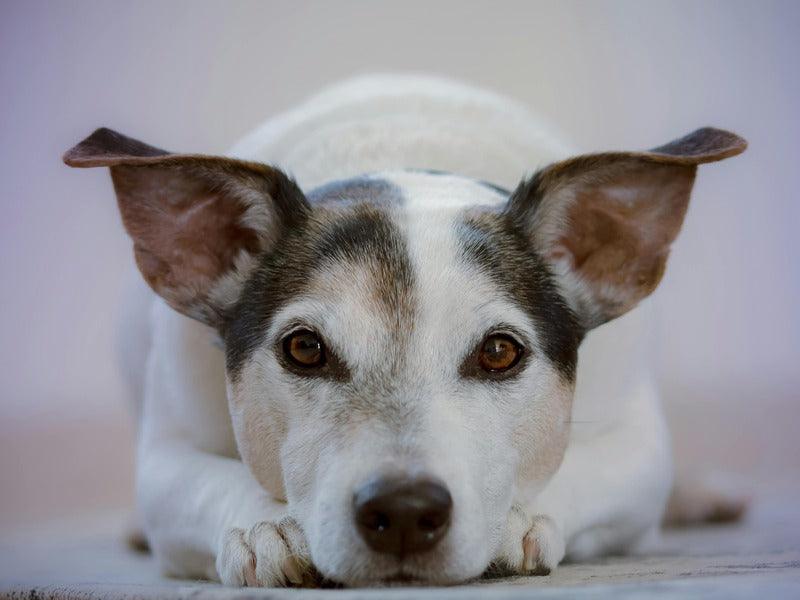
395 342
401 347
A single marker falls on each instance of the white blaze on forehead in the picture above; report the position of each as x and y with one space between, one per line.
455 302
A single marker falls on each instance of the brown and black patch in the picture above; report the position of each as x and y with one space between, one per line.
351 227
190 216
492 241
613 216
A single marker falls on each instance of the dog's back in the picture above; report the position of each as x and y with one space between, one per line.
379 123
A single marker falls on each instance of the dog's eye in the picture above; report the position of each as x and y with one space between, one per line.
499 352
304 349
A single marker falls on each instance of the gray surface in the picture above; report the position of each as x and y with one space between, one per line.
758 557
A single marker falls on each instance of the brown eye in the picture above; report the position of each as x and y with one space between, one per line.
304 349
499 353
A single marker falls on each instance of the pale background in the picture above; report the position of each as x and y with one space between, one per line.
195 76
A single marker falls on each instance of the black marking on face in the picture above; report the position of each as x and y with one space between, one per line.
493 186
357 190
340 228
492 241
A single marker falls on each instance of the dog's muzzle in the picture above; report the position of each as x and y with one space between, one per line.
401 516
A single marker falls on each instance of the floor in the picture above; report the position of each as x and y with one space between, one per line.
760 556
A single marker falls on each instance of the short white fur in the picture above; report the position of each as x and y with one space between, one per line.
204 494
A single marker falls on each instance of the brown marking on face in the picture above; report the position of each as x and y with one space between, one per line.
613 216
335 244
500 248
192 218
364 235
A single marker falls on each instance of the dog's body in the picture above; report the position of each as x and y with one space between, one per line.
254 489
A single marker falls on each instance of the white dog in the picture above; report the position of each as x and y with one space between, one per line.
390 370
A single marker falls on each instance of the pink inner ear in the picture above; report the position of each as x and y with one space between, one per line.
186 234
620 229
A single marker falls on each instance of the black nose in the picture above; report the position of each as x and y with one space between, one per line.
402 516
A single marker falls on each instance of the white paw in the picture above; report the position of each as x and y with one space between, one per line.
267 555
532 545
543 546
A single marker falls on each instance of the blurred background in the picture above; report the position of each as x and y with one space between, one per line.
196 76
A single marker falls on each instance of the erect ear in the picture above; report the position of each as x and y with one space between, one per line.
198 222
605 222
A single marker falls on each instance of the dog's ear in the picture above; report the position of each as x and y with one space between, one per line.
198 222
605 222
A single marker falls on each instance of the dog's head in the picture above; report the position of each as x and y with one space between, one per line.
401 347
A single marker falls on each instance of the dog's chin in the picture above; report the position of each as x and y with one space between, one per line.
402 576
404 579
457 559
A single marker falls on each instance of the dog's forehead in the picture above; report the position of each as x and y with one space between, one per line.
386 258
414 298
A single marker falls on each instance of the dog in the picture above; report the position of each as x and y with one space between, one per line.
380 350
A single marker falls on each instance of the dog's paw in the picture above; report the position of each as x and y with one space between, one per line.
267 555
532 546
543 546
